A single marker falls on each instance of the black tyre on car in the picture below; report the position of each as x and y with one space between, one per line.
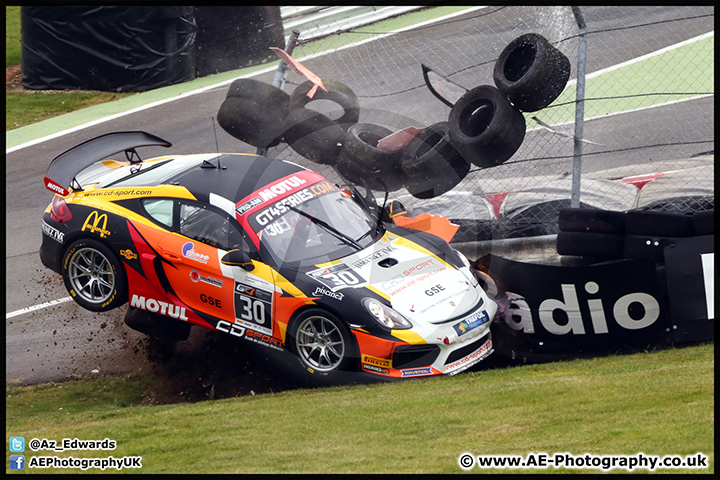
323 344
94 276
531 72
485 128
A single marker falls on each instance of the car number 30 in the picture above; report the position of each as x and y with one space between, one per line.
252 310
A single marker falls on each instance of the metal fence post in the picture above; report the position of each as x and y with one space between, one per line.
579 107
281 72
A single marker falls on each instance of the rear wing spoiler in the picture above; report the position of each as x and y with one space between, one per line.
62 170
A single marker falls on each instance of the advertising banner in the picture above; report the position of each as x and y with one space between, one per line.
559 311
690 268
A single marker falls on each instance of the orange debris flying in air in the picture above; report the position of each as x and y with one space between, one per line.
300 69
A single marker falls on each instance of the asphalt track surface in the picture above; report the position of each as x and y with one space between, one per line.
63 341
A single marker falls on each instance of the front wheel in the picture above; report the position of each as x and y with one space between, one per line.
93 276
322 343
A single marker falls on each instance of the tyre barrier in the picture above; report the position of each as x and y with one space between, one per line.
260 92
431 164
609 235
485 127
313 135
360 158
336 93
639 222
590 244
704 222
531 72
591 220
254 112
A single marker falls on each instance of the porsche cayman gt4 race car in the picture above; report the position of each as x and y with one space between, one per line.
264 250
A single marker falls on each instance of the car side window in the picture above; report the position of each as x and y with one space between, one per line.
209 226
160 210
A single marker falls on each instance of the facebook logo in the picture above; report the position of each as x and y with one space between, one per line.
17 444
17 462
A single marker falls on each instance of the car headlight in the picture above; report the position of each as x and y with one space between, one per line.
385 316
467 271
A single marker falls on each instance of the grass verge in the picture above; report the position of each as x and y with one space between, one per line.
658 403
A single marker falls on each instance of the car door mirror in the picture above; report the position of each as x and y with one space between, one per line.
392 210
238 258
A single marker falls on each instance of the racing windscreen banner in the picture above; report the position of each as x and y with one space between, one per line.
545 309
690 270
271 201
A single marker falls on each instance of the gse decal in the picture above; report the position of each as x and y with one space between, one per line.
433 290
215 302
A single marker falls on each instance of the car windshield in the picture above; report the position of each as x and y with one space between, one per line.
323 224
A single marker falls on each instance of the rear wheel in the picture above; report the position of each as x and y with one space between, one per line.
94 276
322 343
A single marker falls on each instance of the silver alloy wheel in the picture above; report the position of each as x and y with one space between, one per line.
91 275
320 343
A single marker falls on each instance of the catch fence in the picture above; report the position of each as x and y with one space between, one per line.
636 131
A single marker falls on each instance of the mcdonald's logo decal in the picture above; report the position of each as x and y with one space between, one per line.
93 221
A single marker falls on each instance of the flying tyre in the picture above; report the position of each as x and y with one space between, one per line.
485 128
337 93
253 112
360 157
313 135
323 343
531 72
260 92
431 164
94 276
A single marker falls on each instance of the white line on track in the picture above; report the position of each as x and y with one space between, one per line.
37 307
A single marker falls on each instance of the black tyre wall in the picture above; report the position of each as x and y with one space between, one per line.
605 245
591 220
641 222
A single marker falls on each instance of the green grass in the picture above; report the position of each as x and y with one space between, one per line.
12 36
25 108
658 403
